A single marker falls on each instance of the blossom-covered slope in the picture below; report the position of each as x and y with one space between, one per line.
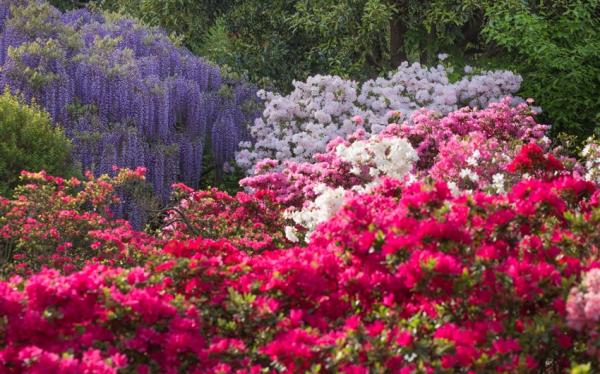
410 271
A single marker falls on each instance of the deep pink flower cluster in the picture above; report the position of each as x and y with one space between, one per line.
99 319
408 277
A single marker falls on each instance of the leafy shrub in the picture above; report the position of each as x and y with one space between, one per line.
29 141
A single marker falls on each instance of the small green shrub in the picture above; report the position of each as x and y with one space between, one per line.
29 141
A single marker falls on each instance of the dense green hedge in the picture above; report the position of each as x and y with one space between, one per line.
28 141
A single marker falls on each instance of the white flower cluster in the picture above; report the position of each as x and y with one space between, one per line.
591 157
296 126
393 157
379 157
328 202
498 182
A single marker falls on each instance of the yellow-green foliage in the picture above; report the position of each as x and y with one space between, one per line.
29 141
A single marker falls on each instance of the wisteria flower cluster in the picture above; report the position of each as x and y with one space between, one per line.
123 92
297 126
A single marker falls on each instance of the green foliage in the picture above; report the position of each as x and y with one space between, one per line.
263 45
28 141
187 19
69 4
557 50
348 38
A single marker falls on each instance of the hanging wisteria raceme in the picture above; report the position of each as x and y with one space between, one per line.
124 93
297 126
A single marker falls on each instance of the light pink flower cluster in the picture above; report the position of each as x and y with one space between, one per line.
583 308
295 127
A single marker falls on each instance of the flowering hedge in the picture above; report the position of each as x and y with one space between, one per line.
403 278
406 269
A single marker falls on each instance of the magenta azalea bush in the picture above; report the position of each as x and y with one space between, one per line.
371 258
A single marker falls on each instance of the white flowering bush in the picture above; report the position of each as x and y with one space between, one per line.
591 159
297 126
368 159
393 157
326 204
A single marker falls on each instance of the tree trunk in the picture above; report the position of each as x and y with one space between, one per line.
471 32
397 32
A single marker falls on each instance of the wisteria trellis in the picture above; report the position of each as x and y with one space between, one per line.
124 93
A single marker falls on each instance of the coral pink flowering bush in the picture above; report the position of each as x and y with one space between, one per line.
66 223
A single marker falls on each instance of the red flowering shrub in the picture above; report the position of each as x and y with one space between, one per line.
532 159
250 221
64 223
405 278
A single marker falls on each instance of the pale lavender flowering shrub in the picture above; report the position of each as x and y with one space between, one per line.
297 126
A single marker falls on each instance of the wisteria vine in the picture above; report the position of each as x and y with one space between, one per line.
124 93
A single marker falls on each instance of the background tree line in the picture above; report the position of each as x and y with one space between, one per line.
553 44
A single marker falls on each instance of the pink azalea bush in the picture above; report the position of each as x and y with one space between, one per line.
407 276
100 319
65 223
469 149
479 142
